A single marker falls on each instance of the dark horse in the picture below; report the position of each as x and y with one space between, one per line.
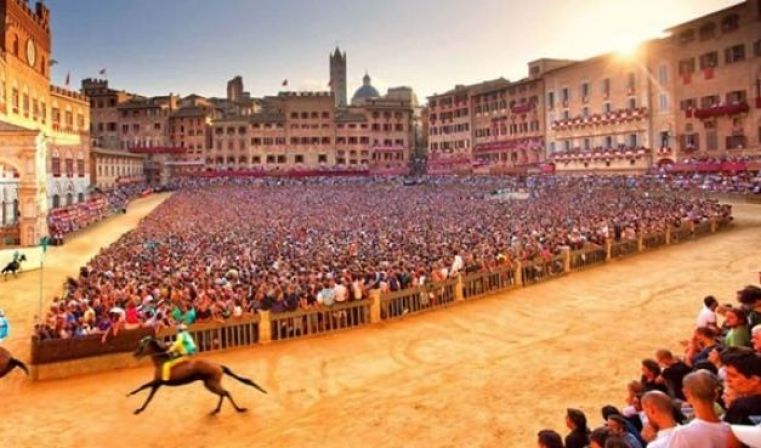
8 363
13 267
186 373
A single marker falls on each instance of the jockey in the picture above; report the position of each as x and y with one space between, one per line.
4 326
182 347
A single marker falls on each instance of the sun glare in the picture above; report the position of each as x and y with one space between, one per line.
626 46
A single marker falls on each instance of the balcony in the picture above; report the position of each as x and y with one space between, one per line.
717 111
612 117
522 108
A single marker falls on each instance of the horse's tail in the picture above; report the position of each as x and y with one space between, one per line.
243 380
16 363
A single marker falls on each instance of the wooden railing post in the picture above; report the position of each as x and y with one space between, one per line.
566 258
691 226
668 234
459 296
518 273
375 306
608 249
712 222
640 242
265 327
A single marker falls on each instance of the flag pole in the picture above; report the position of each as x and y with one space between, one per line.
43 250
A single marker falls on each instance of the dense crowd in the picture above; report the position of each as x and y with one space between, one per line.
709 397
100 205
220 249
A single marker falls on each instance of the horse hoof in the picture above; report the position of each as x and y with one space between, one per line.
242 410
137 411
214 412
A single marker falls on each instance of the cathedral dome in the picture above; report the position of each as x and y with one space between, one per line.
366 92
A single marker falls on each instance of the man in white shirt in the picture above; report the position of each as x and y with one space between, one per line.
707 316
457 265
659 410
707 430
342 292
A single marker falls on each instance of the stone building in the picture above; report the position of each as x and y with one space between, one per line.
718 84
305 131
44 130
111 168
598 113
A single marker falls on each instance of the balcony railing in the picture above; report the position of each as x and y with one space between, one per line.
612 117
717 111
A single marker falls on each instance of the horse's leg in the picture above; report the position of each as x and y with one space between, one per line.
237 408
215 388
143 387
154 388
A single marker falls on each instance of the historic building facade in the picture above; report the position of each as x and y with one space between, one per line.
305 131
44 130
598 113
449 131
111 168
718 84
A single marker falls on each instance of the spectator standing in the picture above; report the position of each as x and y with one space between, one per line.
659 410
706 430
576 421
673 372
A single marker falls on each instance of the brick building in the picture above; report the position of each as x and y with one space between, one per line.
44 130
718 84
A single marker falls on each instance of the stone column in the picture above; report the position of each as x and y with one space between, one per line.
265 327
375 306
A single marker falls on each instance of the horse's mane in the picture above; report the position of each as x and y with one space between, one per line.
157 346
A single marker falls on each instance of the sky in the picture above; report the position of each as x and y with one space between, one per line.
156 47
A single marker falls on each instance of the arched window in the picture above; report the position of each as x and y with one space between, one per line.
56 201
15 46
81 197
69 199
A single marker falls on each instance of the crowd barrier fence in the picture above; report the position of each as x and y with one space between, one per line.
265 326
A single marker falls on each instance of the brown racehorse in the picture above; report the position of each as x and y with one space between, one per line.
186 373
8 363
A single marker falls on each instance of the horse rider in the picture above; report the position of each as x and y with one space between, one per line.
179 351
5 327
16 256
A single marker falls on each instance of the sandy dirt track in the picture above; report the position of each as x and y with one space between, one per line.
485 374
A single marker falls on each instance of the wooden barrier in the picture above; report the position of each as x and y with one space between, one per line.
213 336
701 229
303 323
208 336
415 300
582 259
65 357
482 283
539 271
624 248
680 234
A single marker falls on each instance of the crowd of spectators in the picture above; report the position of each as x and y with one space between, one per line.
100 205
220 249
709 397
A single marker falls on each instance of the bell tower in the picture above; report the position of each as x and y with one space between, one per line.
338 77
